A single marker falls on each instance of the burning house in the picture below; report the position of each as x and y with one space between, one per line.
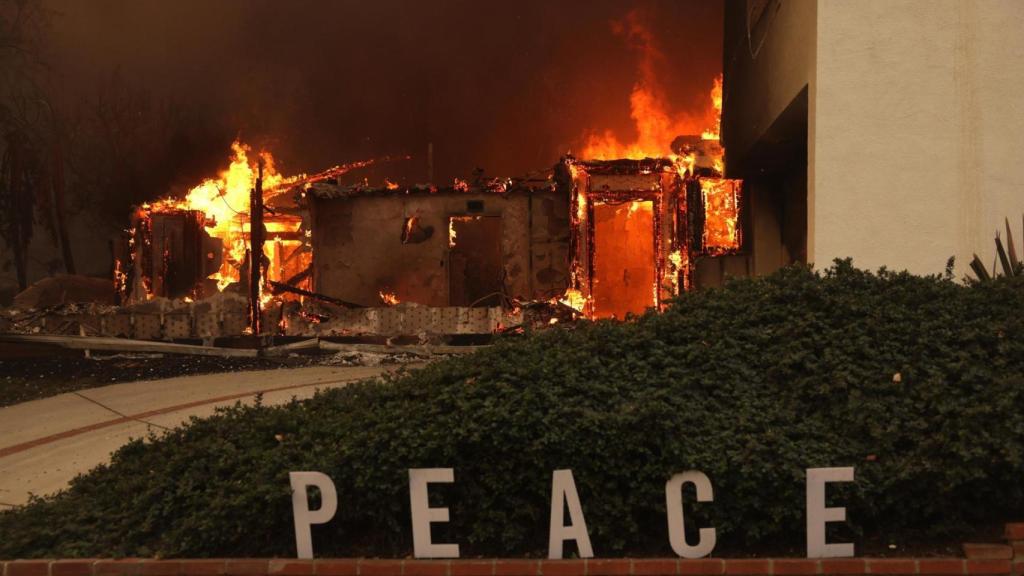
605 238
630 218
198 246
609 238
618 232
638 227
488 243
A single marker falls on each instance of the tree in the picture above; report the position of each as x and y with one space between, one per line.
18 59
31 148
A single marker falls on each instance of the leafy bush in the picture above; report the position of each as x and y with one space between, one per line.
917 382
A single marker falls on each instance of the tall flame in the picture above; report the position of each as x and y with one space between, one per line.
657 125
716 104
225 202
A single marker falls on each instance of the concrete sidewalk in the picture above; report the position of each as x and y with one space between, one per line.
45 443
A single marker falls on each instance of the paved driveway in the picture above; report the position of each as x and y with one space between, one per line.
45 443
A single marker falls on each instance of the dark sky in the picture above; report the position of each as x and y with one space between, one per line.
507 86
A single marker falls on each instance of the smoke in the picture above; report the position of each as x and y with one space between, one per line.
507 87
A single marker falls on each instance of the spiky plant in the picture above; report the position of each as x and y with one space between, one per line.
1007 257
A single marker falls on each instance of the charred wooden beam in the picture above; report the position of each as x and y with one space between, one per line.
255 249
278 287
306 273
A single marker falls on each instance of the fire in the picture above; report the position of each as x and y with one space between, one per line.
452 234
678 264
716 103
224 201
656 130
721 208
581 207
388 298
657 125
408 228
691 140
574 299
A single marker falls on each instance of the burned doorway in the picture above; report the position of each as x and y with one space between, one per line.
627 252
474 261
624 258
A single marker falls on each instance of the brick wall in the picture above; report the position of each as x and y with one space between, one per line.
980 560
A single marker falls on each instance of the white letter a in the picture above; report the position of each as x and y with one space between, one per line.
563 491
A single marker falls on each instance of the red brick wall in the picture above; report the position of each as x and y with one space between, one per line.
593 567
981 560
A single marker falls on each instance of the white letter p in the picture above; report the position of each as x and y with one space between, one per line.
304 517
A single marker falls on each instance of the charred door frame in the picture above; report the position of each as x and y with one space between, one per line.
670 229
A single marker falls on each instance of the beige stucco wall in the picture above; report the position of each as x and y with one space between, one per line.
767 122
918 142
766 66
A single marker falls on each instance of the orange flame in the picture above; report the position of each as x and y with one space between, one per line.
716 104
224 201
657 125
388 298
574 299
721 209
452 234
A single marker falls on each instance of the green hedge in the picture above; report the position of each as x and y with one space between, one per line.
752 384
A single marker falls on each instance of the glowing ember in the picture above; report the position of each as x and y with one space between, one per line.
388 298
407 230
676 258
452 235
678 262
581 207
574 299
721 214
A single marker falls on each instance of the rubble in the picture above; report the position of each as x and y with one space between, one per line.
370 359
64 289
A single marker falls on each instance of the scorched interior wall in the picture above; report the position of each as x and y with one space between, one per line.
358 250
